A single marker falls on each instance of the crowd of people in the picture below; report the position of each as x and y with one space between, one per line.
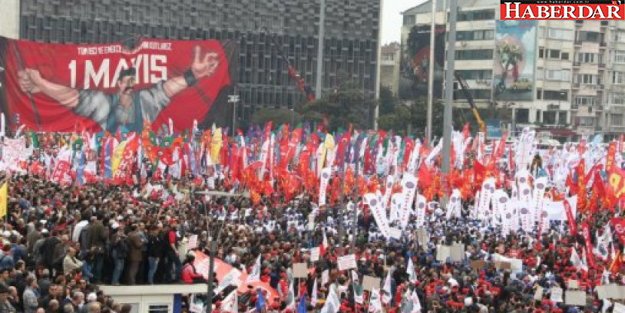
60 242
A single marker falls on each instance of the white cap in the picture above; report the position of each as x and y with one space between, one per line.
115 225
92 297
468 301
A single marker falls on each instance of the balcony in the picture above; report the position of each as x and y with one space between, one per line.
577 63
574 106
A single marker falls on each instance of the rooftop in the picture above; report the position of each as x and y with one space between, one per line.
426 7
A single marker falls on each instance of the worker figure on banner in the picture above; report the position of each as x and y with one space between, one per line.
126 109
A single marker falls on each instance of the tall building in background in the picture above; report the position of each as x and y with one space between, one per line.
389 66
568 77
351 37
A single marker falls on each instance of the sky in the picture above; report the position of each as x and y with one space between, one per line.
392 19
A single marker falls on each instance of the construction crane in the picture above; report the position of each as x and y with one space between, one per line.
465 91
293 73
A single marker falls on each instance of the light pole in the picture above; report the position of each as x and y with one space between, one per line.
234 99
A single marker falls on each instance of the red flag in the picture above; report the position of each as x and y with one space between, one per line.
570 218
589 250
619 226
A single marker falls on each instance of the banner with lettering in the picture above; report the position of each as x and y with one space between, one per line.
62 87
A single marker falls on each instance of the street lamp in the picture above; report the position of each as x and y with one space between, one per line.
234 99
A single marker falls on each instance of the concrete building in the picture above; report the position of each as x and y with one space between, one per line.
389 66
351 39
579 72
10 21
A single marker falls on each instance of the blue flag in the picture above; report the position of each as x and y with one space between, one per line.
301 307
260 301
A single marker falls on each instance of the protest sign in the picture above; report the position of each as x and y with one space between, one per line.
575 297
314 254
369 283
347 262
300 270
442 253
556 295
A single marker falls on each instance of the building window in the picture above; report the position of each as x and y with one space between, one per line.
158 308
617 98
409 20
618 78
476 15
560 34
558 75
555 95
522 115
619 36
541 52
488 34
586 121
619 56
589 36
617 119
549 118
565 55
475 74
587 57
585 101
554 54
539 93
475 93
477 54
562 118
587 79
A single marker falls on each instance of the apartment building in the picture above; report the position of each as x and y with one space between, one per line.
579 69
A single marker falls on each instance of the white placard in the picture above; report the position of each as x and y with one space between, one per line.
556 295
538 294
314 254
442 253
575 297
347 262
192 242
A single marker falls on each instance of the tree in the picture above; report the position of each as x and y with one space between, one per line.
347 105
387 100
277 116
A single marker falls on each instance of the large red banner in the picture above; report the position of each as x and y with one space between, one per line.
59 87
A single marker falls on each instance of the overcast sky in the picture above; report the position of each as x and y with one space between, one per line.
392 20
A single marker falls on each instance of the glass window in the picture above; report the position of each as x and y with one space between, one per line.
541 52
554 54
564 55
619 56
158 308
586 101
617 119
617 98
409 20
618 78
476 15
555 95
476 54
549 117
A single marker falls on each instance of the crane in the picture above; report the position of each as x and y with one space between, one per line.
465 91
293 73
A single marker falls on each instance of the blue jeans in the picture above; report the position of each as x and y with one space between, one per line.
117 271
153 265
96 269
175 266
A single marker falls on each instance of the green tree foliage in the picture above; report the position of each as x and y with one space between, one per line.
346 105
277 116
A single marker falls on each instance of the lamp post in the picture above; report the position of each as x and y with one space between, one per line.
234 99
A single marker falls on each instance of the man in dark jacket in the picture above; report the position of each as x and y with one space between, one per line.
135 254
98 237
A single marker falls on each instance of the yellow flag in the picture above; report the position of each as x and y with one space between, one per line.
216 144
117 156
4 196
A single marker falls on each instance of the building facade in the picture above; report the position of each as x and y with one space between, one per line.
579 70
390 55
262 29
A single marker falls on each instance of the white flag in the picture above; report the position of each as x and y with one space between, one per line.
333 302
410 270
231 303
416 304
325 277
255 274
387 295
313 298
375 305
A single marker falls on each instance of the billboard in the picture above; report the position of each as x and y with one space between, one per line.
515 60
60 87
415 61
